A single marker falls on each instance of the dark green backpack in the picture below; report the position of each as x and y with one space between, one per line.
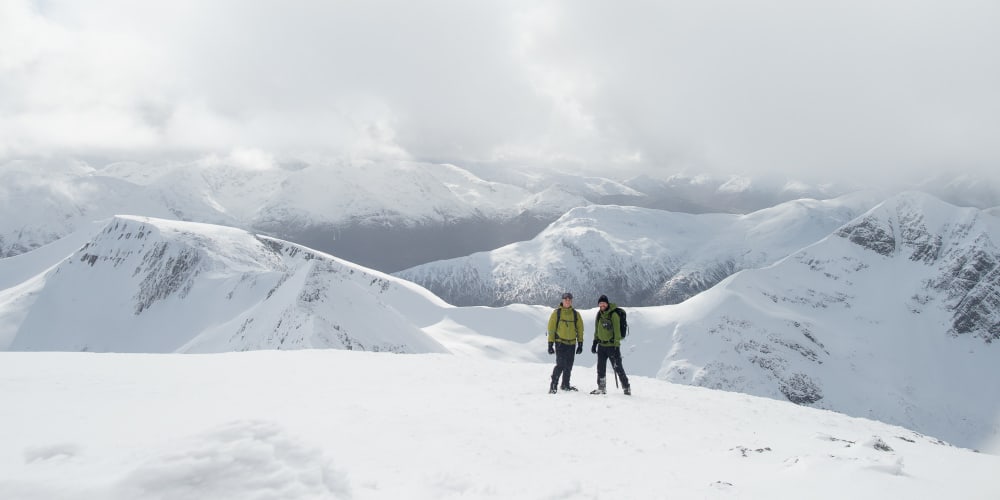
622 320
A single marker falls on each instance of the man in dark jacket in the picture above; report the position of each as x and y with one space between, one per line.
565 341
607 346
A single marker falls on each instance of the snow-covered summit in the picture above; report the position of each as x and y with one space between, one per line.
155 285
327 424
324 424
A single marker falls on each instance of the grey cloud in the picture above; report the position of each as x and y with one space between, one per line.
814 89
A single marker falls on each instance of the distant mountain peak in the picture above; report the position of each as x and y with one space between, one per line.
641 256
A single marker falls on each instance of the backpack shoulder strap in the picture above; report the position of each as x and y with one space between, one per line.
576 315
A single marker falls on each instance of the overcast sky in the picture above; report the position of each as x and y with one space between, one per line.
857 87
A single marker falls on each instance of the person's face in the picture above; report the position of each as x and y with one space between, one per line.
567 302
603 306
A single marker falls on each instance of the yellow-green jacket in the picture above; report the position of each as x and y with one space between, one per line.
608 328
569 329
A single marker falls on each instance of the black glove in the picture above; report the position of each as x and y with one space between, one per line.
579 347
552 350
593 348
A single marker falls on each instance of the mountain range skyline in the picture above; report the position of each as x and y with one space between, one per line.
437 212
362 211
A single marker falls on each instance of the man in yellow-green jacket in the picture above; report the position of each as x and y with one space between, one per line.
607 345
565 341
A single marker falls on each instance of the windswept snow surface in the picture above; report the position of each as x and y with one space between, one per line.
321 424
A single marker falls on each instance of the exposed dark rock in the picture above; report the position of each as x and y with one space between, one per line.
745 452
870 233
166 276
914 235
800 389
880 445
971 282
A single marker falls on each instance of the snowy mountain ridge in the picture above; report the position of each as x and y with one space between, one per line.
892 317
640 257
963 248
134 287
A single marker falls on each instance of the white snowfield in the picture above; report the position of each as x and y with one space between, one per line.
323 424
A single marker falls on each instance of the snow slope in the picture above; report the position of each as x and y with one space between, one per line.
893 317
636 256
328 424
142 284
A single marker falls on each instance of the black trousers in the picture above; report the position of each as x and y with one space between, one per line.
565 355
615 355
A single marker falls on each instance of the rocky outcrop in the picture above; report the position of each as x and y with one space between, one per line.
960 250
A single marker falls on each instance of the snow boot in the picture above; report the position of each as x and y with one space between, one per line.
628 390
565 384
552 387
601 387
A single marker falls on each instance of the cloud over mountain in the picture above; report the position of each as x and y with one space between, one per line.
856 89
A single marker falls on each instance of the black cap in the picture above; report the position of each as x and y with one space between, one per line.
568 295
603 298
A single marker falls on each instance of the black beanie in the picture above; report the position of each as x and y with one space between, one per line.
603 298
